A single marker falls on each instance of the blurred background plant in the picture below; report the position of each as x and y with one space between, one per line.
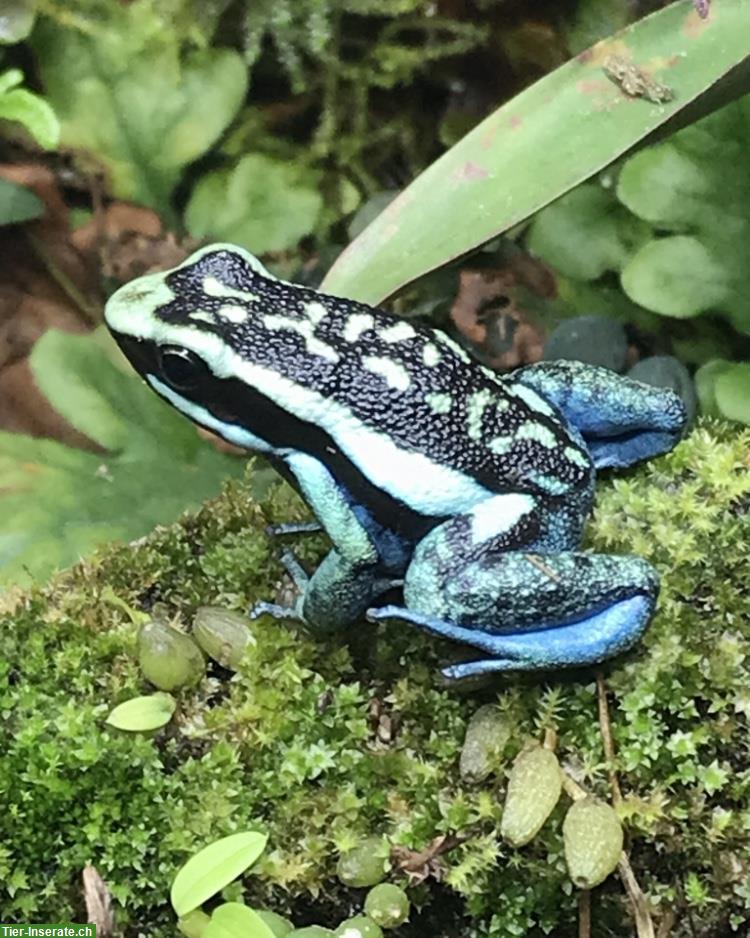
130 132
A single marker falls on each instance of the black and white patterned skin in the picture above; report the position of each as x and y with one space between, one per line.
332 361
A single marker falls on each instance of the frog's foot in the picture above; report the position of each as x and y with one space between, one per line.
301 581
293 527
622 421
295 570
574 644
277 611
335 596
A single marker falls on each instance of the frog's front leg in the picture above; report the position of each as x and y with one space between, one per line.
349 578
506 579
621 421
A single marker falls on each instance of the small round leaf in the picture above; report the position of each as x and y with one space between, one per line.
18 204
234 920
213 868
676 276
705 384
142 714
732 391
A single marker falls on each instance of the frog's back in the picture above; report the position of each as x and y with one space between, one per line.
406 405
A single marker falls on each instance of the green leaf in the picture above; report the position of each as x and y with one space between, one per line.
57 503
27 108
213 868
586 233
691 184
9 79
732 390
263 204
18 204
705 384
234 920
549 138
142 714
676 276
193 925
128 96
81 384
16 19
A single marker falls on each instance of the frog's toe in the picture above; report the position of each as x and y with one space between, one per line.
295 570
293 527
586 641
276 611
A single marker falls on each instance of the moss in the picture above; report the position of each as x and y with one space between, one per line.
297 742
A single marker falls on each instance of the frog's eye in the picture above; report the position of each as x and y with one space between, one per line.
180 368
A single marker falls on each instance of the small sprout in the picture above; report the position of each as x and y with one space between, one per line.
279 925
167 658
592 835
363 865
235 920
142 714
533 791
486 735
213 868
222 634
193 924
387 905
361 926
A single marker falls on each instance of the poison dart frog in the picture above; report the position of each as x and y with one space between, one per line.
466 488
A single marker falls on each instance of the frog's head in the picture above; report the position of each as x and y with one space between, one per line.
181 329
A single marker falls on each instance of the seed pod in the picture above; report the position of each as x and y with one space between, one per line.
222 634
486 736
592 835
361 926
364 865
387 905
168 658
533 791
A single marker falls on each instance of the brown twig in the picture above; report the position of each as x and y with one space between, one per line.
98 902
584 914
644 926
605 728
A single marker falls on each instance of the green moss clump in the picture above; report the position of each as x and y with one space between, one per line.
293 743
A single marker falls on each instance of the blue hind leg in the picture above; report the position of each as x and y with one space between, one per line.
506 579
621 421
588 641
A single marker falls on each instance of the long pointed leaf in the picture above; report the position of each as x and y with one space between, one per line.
552 136
213 868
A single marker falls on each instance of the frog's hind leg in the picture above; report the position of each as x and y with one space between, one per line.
599 636
496 579
621 421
